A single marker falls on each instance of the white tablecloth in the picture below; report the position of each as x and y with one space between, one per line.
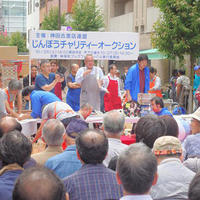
29 126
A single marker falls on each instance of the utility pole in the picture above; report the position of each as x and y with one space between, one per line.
59 15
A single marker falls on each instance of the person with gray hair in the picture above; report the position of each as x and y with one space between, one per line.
15 150
74 90
113 126
91 79
137 172
52 134
38 183
12 91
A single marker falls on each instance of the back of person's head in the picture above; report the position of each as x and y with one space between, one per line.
14 85
15 148
171 124
113 122
158 101
149 128
167 146
92 146
53 132
136 168
8 124
38 183
194 188
27 90
181 72
142 57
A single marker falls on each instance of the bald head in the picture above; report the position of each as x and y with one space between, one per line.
38 183
8 124
92 146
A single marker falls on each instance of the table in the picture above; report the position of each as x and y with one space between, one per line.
29 126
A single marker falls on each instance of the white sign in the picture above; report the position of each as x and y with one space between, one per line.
76 44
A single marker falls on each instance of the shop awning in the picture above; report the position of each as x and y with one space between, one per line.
153 54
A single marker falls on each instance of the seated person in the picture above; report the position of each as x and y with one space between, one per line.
13 91
15 150
66 163
173 177
38 183
191 143
52 133
157 106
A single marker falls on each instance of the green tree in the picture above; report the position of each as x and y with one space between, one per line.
4 40
86 16
17 39
177 31
50 21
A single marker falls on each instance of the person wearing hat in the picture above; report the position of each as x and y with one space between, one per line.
173 177
191 143
66 163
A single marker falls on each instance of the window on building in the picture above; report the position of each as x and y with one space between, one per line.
121 7
142 28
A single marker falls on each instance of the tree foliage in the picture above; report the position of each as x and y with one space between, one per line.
177 31
17 39
86 16
50 21
4 40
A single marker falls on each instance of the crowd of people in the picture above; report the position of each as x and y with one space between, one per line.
80 162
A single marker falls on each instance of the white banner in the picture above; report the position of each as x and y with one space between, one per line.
76 44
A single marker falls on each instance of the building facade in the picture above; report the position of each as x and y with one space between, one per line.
13 15
135 16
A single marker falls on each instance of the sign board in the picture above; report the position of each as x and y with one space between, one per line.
76 44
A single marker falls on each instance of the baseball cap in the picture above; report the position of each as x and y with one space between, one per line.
167 145
196 114
196 67
75 127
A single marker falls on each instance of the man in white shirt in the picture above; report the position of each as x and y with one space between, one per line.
90 77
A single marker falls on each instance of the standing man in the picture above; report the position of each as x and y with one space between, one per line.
182 88
112 99
137 78
60 85
46 80
73 93
90 78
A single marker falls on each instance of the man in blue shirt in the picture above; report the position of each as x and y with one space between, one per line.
38 99
46 80
66 163
137 79
157 106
